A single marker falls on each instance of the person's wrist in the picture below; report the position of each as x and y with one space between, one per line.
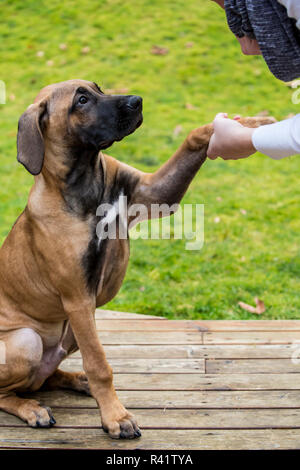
245 143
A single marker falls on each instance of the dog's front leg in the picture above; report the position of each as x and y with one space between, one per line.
170 182
116 420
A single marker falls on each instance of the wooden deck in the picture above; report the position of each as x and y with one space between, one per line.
191 384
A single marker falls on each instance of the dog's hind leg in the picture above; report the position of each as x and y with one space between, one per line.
76 381
30 411
23 353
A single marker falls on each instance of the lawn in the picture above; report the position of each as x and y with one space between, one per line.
252 220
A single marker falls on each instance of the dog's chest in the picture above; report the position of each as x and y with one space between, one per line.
101 202
113 265
106 257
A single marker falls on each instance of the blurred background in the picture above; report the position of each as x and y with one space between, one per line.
180 56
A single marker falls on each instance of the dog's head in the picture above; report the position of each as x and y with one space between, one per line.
74 115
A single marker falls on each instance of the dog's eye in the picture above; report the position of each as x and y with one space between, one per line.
83 100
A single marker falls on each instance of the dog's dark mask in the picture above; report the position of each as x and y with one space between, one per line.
98 120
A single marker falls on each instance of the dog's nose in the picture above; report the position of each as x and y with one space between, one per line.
134 102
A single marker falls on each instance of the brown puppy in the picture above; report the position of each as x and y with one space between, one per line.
54 270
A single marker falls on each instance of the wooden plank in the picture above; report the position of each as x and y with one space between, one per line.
150 337
102 314
179 419
249 325
211 351
179 399
251 366
198 381
210 325
185 366
207 382
145 365
251 337
147 325
70 438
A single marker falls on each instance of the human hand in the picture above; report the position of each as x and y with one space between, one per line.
219 2
249 46
230 140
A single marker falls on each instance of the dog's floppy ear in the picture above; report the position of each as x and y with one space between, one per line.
30 141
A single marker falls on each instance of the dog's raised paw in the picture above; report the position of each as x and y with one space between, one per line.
256 121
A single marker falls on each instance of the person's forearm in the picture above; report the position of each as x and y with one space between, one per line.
278 140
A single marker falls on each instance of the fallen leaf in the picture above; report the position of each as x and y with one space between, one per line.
158 50
85 50
177 130
259 309
263 113
289 116
190 106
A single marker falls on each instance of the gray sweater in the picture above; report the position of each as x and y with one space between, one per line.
281 139
275 24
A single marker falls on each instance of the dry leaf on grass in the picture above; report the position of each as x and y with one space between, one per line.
259 309
177 130
263 113
289 116
85 50
190 106
158 50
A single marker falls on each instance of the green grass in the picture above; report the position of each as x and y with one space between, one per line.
244 255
